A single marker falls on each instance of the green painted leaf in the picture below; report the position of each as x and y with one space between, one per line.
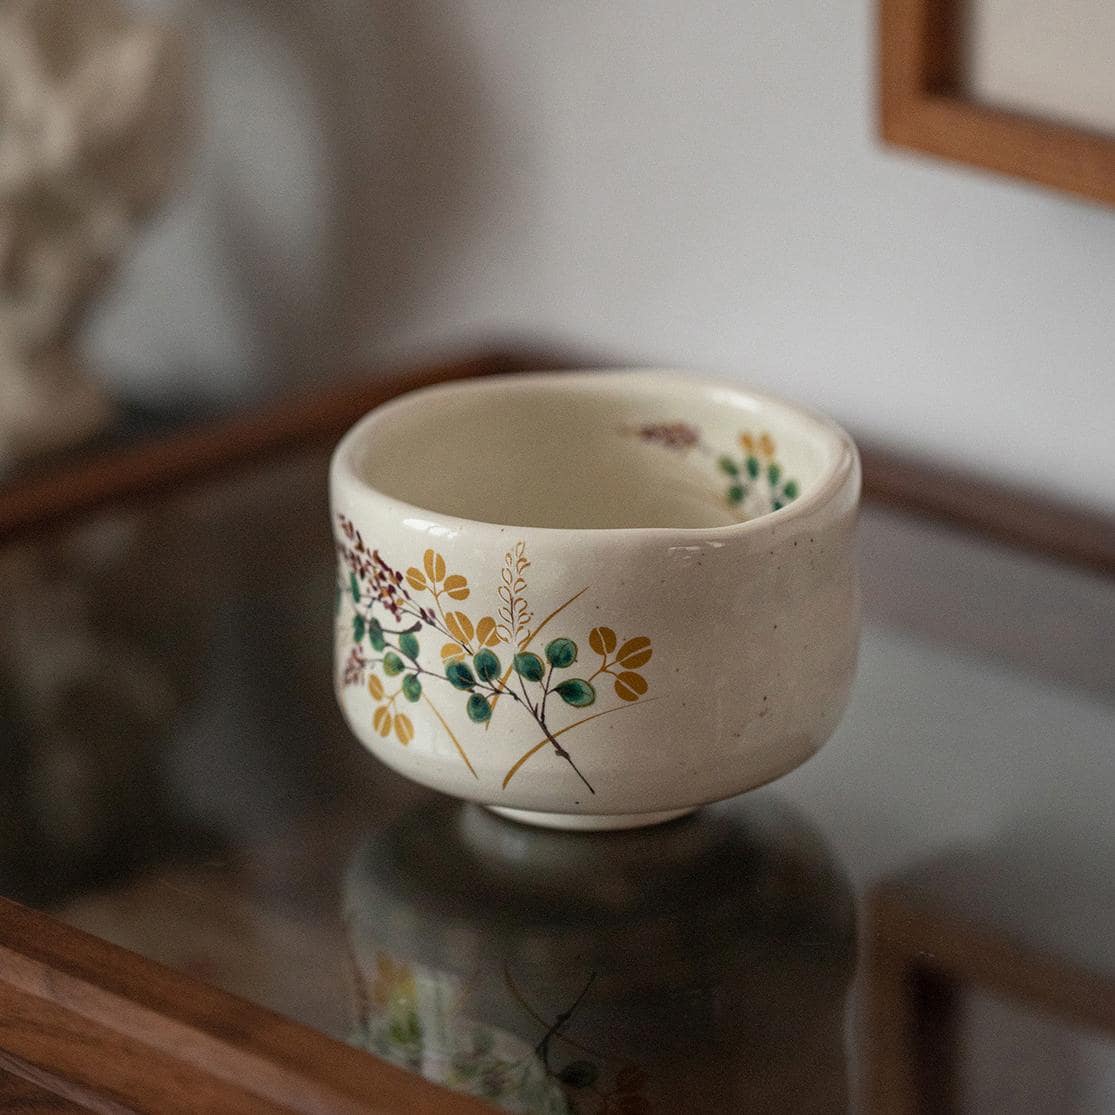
736 493
774 473
790 491
576 692
753 467
529 666
729 466
393 664
561 653
460 675
408 644
404 1030
375 635
354 586
487 665
478 708
412 687
777 505
357 628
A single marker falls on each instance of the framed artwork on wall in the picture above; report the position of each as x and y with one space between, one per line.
1022 87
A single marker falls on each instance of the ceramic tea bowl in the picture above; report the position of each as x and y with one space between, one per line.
596 599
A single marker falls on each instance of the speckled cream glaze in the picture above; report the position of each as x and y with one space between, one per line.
543 607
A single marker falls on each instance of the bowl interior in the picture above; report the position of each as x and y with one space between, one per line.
593 451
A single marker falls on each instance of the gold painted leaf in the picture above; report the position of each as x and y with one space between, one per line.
630 686
602 640
435 566
457 587
766 445
487 633
635 653
460 626
381 720
404 729
393 982
416 579
375 687
451 652
748 443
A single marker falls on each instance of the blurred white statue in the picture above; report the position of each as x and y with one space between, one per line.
91 116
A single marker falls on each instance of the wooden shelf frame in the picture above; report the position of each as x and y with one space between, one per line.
922 959
88 1026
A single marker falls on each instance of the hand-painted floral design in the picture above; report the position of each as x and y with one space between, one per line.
756 480
673 435
487 661
592 1084
757 468
416 1018
419 1018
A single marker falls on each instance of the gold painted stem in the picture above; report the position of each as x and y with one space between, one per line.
449 731
561 731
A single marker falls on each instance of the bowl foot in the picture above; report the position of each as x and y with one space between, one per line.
589 822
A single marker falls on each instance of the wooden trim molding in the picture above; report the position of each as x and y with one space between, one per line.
996 511
922 107
101 1029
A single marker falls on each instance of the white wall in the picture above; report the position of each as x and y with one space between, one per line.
678 181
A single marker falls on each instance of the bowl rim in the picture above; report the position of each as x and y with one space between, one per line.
842 466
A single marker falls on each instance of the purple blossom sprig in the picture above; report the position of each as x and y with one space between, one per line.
674 435
382 583
355 666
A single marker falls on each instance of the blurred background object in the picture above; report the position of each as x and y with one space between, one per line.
91 108
93 115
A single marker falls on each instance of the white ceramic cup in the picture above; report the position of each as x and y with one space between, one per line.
594 599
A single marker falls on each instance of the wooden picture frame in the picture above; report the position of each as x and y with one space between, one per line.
923 107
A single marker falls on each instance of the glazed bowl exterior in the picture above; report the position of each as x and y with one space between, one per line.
660 611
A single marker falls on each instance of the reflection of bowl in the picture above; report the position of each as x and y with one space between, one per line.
691 967
594 600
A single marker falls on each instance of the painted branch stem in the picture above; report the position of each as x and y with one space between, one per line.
562 753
